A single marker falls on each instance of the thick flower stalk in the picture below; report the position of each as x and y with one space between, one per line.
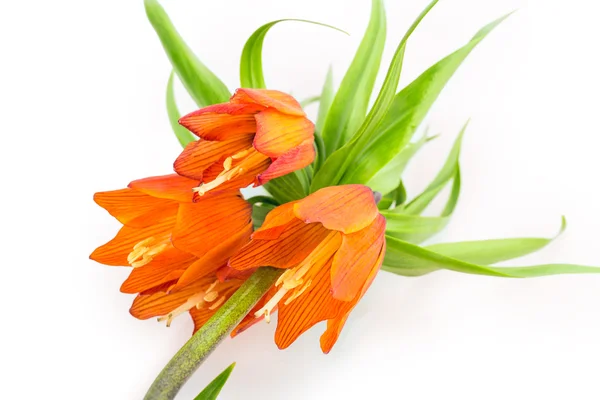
255 137
176 247
332 244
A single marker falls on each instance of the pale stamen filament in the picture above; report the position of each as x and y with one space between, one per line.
294 277
198 300
144 251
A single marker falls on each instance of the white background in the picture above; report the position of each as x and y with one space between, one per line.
82 109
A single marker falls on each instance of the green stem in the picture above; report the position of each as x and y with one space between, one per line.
200 346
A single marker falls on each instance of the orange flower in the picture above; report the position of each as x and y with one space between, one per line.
174 245
332 244
259 135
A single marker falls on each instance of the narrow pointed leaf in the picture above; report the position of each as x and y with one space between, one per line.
200 82
343 159
416 228
183 135
388 178
493 251
408 110
214 388
445 175
325 100
251 70
351 101
408 259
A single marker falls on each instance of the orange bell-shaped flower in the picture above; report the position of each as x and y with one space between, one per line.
259 135
332 244
174 245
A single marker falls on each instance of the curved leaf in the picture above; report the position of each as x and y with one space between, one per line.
325 100
447 173
200 82
388 178
214 388
350 104
343 159
183 135
408 110
407 259
251 71
415 228
493 251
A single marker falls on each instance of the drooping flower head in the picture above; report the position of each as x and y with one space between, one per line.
174 245
257 136
332 244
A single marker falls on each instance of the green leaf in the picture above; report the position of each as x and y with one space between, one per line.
290 187
183 135
408 110
203 85
415 228
493 251
350 104
408 259
307 102
262 199
325 100
251 71
389 178
343 159
214 388
259 213
447 173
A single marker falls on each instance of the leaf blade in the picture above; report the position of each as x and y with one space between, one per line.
213 389
351 101
200 82
409 108
251 71
183 135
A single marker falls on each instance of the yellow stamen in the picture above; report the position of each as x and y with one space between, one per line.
211 296
217 303
297 293
143 252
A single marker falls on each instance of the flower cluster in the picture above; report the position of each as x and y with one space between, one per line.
189 236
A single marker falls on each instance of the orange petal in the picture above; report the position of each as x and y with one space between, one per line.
200 316
268 98
334 326
173 187
215 258
204 225
159 304
296 242
346 208
222 121
167 266
115 252
135 209
314 305
356 258
277 133
200 155
275 222
294 160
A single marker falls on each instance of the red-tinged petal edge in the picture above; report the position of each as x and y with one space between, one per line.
173 187
277 133
294 160
268 98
